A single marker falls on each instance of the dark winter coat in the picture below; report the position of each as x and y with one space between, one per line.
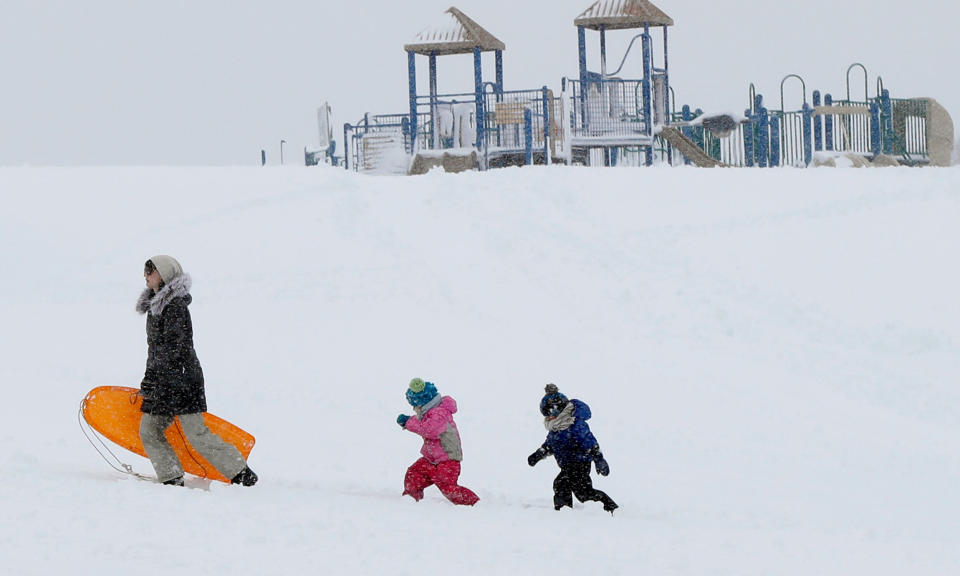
574 443
173 380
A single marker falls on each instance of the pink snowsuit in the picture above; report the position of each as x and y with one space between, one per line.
442 454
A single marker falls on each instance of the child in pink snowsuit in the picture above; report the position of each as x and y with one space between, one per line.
441 450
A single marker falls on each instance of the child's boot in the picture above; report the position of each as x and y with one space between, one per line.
561 500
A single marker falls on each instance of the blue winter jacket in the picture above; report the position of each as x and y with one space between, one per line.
574 443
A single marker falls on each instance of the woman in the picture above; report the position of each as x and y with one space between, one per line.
173 382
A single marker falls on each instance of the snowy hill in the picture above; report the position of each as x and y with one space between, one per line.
771 358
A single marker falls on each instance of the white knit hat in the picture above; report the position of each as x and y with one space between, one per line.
167 266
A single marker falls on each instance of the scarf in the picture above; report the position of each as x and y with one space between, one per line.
433 403
563 420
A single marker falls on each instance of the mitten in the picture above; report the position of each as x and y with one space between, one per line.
537 456
402 420
603 468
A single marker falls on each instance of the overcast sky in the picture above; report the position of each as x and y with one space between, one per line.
211 82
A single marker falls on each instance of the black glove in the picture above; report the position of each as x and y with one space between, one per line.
603 468
537 456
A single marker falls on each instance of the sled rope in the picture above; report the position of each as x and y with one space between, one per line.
190 448
120 466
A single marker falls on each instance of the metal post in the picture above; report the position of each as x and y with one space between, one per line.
499 64
435 140
603 53
775 140
666 74
687 130
887 109
546 126
582 49
666 82
699 134
263 157
875 138
763 144
648 92
817 124
478 91
828 123
604 94
807 134
346 146
528 136
647 83
412 75
282 142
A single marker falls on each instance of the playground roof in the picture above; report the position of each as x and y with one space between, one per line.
622 14
456 34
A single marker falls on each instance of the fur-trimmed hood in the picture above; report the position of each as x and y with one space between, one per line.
155 303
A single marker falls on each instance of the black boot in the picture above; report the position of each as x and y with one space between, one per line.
245 477
178 481
609 505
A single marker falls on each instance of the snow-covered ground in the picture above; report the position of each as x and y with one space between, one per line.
772 359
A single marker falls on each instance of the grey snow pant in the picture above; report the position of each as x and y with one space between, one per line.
224 457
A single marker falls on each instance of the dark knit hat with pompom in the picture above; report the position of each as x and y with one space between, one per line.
553 402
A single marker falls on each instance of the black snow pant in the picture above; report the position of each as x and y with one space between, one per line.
574 480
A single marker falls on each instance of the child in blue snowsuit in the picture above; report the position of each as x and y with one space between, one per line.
570 441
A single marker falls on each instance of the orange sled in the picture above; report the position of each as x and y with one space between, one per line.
114 412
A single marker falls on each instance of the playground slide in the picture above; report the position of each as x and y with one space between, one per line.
688 148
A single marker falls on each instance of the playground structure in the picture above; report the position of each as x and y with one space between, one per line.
490 126
600 118
916 131
612 114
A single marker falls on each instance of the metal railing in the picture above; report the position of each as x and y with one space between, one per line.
523 120
909 126
608 110
446 121
365 141
450 121
851 129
